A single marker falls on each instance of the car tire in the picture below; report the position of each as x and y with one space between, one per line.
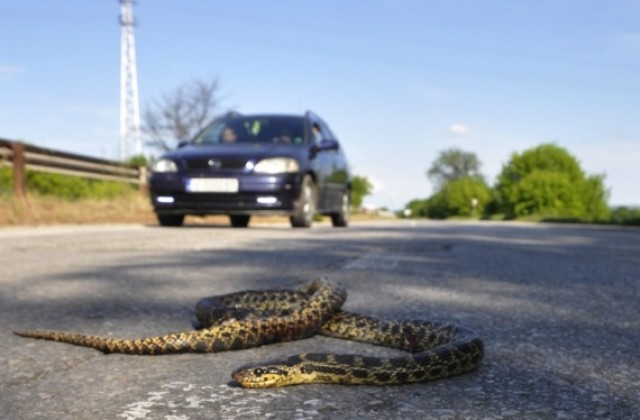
305 207
173 220
240 221
341 219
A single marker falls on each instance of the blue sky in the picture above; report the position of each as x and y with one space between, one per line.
398 80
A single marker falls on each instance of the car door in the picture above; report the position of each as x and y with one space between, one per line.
337 173
322 163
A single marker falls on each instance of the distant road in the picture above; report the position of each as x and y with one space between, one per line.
557 306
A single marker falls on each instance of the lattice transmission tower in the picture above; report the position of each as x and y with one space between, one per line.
130 135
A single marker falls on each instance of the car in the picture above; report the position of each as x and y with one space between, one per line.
246 165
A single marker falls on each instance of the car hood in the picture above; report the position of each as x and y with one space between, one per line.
249 151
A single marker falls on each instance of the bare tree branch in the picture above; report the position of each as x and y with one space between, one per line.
180 114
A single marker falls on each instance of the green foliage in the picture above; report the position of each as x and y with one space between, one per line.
436 207
595 196
6 181
548 181
417 208
58 185
545 182
138 160
110 189
627 216
546 193
74 188
459 185
546 157
460 195
453 164
360 188
455 199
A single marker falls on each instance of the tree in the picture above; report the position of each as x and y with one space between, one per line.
548 181
180 114
466 197
453 164
360 187
417 207
596 196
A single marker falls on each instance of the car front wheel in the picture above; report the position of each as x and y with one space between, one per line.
240 221
170 219
341 219
305 208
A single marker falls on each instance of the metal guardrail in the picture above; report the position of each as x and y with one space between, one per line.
24 157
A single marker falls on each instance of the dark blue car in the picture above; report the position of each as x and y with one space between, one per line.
244 165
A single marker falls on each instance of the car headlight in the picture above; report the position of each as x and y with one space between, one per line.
276 166
165 165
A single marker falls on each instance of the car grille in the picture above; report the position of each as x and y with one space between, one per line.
214 164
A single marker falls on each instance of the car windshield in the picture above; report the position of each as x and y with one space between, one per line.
255 130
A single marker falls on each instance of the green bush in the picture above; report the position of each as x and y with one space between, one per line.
627 216
417 208
454 200
6 181
74 188
458 197
595 197
360 188
110 189
548 181
547 194
57 185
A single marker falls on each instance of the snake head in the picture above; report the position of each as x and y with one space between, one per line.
273 374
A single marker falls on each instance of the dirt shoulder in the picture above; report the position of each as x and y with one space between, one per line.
43 211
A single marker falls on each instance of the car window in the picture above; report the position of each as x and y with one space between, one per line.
329 133
260 130
321 131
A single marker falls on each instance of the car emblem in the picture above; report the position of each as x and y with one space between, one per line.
214 164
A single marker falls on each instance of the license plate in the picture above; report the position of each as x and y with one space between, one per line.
212 185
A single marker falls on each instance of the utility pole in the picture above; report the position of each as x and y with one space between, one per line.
129 102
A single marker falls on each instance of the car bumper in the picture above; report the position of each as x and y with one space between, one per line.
273 194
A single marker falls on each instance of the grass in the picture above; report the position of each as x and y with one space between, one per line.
38 210
43 210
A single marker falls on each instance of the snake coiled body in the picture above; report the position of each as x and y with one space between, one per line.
434 350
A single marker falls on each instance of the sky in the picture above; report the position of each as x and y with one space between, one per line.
398 81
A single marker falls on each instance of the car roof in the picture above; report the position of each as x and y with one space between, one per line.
306 114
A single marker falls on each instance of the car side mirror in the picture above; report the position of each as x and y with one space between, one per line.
328 144
182 143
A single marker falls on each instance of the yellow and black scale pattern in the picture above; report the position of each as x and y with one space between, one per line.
253 318
435 350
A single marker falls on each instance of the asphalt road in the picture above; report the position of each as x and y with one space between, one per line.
557 306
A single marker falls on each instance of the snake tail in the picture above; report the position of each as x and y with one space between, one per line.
326 298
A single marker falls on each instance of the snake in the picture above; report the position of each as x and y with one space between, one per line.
432 350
